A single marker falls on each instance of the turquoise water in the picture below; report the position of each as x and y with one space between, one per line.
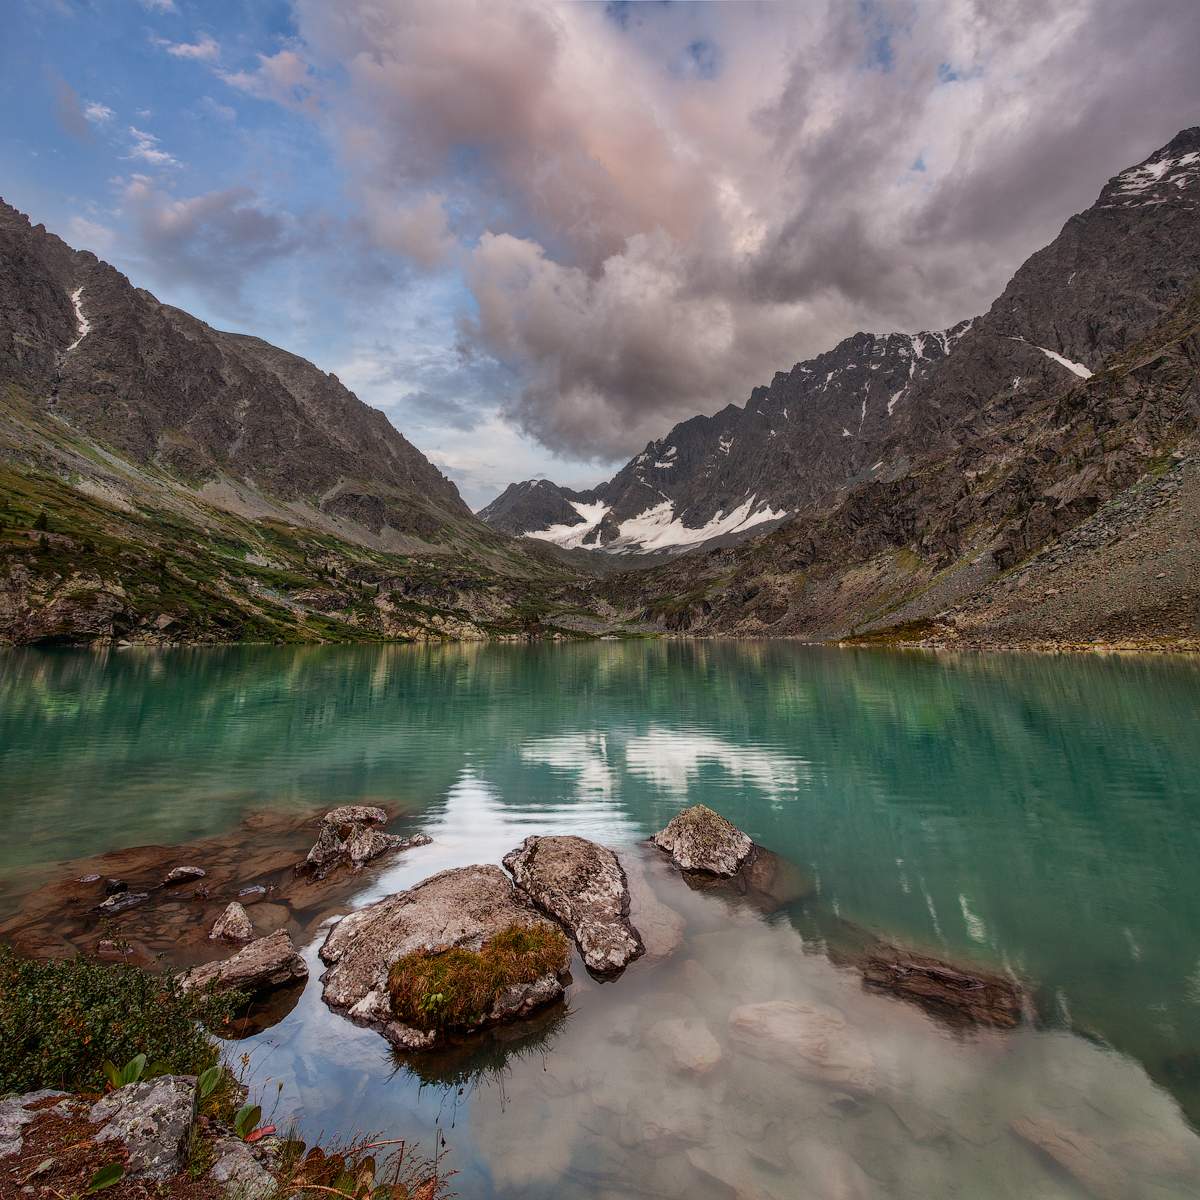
1035 812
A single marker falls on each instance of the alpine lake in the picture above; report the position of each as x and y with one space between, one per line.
1024 813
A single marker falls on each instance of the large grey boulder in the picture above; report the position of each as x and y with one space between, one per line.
582 886
152 1120
463 907
266 963
15 1113
348 837
811 1040
699 839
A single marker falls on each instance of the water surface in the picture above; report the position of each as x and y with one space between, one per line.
1031 812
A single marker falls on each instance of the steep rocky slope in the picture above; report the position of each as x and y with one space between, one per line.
163 481
875 406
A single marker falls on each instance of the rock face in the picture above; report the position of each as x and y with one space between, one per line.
348 837
15 1113
812 1040
699 839
463 908
581 885
233 925
265 964
153 1119
959 995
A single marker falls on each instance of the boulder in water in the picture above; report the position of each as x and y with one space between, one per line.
462 909
233 925
348 836
581 885
264 964
699 839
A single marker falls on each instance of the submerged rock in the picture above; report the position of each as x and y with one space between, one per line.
582 885
184 874
233 925
660 927
460 908
812 1040
699 839
959 994
120 901
1081 1156
348 837
685 1044
267 963
152 1120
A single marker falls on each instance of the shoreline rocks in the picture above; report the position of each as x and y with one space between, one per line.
233 925
263 965
456 909
349 837
583 886
699 839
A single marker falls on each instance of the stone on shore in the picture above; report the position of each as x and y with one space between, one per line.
239 1168
699 839
184 874
153 1120
809 1039
266 963
15 1113
958 994
581 885
460 908
233 925
348 837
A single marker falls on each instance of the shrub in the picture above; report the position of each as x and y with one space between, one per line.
455 988
60 1022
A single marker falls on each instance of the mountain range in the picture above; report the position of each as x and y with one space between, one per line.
1026 476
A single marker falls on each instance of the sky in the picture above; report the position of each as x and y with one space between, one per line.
538 234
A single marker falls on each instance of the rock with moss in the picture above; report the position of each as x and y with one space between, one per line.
581 884
152 1120
699 839
458 952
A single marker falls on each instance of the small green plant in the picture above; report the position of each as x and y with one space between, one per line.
104 1178
207 1083
131 1072
246 1119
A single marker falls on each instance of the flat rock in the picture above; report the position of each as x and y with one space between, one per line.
184 874
809 1039
961 995
581 885
685 1044
152 1120
462 907
233 925
699 839
264 964
120 901
15 1113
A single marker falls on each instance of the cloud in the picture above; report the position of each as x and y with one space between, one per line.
213 241
159 6
89 235
97 113
204 49
285 78
145 148
656 207
214 108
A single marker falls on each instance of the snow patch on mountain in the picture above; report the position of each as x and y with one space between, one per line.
658 528
82 325
570 536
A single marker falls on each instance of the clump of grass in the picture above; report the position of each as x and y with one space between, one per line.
457 988
60 1021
